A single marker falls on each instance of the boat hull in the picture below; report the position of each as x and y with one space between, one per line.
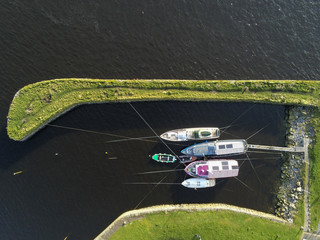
198 183
189 134
212 169
186 159
218 147
164 157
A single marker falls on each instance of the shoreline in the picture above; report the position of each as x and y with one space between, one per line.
132 215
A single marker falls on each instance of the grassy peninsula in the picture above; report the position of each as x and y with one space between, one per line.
37 104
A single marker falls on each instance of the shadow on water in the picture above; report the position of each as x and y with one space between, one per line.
13 151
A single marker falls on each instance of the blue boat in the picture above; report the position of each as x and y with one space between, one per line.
218 147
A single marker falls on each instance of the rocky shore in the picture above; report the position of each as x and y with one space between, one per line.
291 189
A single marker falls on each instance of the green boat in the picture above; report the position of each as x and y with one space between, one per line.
164 157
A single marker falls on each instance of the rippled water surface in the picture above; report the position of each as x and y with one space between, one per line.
69 185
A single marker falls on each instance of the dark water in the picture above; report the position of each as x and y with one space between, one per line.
80 191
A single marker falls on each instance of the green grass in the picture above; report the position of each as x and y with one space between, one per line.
222 225
39 103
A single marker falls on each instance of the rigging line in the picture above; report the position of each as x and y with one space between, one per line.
232 134
152 129
154 188
258 131
149 192
239 117
241 165
142 139
229 126
244 184
151 183
128 139
95 132
253 168
171 170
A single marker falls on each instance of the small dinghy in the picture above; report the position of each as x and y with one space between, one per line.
198 183
164 157
187 134
186 158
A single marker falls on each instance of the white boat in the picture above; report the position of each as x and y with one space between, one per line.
198 183
186 134
214 168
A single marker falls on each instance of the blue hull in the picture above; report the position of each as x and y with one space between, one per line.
200 149
218 147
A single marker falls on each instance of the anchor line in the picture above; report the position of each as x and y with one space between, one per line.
231 134
152 129
253 168
149 192
134 138
101 133
239 117
151 183
142 139
171 170
257 132
244 184
164 144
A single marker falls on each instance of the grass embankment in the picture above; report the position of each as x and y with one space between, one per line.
209 225
39 103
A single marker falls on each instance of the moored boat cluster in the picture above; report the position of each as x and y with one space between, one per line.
204 171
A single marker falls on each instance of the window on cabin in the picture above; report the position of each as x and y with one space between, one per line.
229 146
222 146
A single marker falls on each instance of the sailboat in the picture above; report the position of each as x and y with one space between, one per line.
218 147
187 134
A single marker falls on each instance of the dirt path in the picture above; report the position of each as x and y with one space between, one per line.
306 187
